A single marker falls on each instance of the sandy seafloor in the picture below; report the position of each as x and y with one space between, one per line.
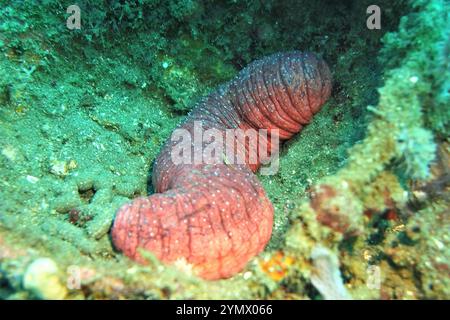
83 114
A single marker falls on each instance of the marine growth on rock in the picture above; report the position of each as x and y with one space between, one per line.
216 216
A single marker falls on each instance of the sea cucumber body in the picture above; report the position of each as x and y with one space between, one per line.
216 217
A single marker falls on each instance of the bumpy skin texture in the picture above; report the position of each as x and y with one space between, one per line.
217 216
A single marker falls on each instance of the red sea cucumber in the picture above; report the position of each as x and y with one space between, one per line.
216 217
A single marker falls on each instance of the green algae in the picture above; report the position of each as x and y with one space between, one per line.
84 113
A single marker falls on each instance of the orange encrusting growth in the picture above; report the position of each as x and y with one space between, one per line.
277 266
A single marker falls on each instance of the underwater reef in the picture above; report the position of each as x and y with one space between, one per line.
361 199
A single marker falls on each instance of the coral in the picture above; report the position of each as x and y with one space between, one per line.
418 151
397 137
396 133
421 45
